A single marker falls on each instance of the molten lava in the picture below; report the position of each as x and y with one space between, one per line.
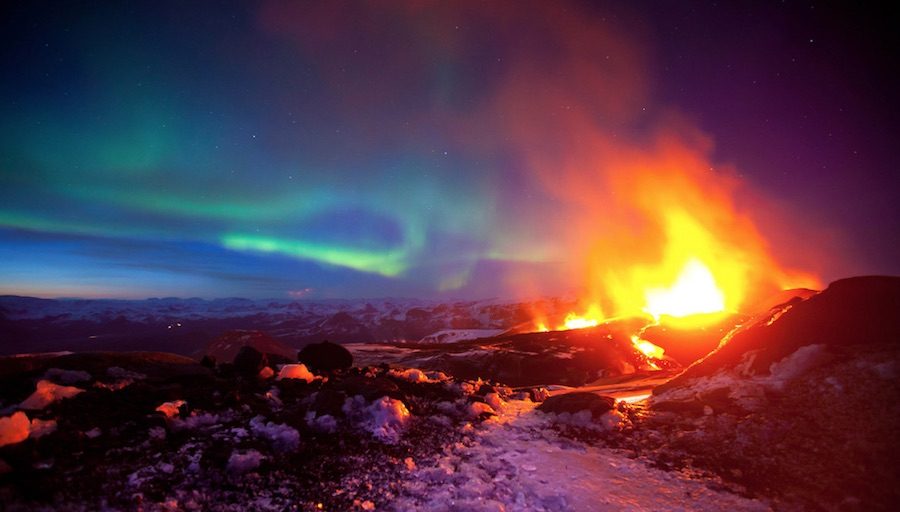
592 318
694 292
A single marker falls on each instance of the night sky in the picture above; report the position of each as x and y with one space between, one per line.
372 149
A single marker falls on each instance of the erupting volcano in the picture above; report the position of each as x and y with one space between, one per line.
505 255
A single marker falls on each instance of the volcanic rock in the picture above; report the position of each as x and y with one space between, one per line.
853 311
249 361
578 401
227 346
300 442
325 356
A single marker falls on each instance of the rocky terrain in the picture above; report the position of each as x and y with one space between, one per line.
186 326
793 410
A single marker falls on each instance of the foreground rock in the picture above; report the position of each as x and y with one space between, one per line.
798 406
859 311
157 433
573 403
325 356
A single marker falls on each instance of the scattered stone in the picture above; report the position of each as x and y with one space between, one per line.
325 356
47 393
249 361
575 402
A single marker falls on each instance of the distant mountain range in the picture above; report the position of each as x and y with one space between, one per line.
185 326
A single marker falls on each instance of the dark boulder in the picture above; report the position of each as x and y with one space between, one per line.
325 356
577 402
249 361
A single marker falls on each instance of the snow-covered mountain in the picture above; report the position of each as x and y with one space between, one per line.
186 325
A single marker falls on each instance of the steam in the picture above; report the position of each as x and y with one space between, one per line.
612 193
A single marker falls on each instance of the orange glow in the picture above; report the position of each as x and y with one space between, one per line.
694 292
648 349
591 318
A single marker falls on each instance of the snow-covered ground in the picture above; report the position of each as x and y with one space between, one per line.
456 335
517 461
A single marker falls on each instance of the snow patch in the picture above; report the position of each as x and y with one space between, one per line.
171 409
745 388
295 371
476 409
241 462
457 335
47 393
40 428
517 462
385 418
195 421
417 375
324 423
14 429
17 428
283 437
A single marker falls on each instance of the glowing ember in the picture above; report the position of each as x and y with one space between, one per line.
694 292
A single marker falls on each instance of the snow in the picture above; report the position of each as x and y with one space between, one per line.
14 429
515 462
241 462
324 423
795 364
196 420
283 438
494 400
416 375
385 418
40 428
476 409
295 371
457 335
266 373
171 409
17 428
745 388
47 393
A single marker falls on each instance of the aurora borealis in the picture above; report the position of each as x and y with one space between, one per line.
350 149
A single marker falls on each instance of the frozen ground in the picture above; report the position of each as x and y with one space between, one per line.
517 461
